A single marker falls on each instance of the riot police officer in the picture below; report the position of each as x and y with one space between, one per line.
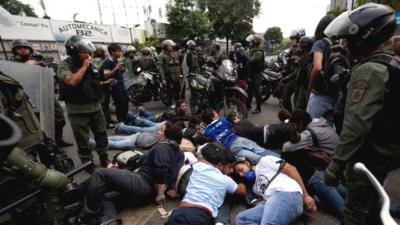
20 147
23 52
170 68
216 54
130 59
289 71
80 89
256 66
146 62
192 59
371 115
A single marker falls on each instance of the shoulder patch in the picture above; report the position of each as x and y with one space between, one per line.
358 90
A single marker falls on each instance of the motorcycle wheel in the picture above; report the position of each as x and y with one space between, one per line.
232 104
265 92
165 97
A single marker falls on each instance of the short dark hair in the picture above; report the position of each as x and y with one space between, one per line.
113 47
322 24
281 133
215 153
283 115
99 53
173 132
179 103
207 115
301 116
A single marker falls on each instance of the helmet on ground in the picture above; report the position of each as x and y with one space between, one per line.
76 43
191 44
306 43
364 28
20 43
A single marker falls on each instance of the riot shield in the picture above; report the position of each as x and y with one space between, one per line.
38 84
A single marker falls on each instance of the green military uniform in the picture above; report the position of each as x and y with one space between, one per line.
22 173
130 65
290 86
369 136
170 71
105 92
146 63
256 66
192 60
84 111
302 93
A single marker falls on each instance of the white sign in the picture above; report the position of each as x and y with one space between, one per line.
93 32
156 29
120 35
30 28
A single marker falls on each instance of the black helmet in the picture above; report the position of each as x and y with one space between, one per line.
215 46
75 43
364 28
20 43
306 43
297 34
237 45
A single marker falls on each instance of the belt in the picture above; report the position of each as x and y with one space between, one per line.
184 169
202 208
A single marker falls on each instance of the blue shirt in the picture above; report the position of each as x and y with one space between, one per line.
222 131
320 46
109 64
208 186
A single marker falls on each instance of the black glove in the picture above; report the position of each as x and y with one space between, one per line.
333 173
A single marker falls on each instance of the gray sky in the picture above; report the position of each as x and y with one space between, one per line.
287 14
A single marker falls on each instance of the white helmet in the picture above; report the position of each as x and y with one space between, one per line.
167 42
130 49
254 37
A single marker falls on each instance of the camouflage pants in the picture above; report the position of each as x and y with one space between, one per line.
81 123
59 121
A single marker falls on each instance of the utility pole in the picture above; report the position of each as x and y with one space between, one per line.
126 14
113 14
101 14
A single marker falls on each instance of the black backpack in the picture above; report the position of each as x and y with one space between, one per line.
336 64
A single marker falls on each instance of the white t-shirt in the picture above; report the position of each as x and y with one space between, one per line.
208 186
265 170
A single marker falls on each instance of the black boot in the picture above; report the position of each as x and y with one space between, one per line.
104 161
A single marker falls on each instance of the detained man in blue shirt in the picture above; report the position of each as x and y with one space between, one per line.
207 187
221 129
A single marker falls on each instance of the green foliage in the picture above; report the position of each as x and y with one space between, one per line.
150 42
186 20
275 34
231 19
16 7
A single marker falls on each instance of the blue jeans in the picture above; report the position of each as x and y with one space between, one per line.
145 113
321 106
332 196
139 121
136 129
118 142
281 208
250 150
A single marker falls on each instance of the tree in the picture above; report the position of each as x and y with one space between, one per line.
274 34
186 21
16 7
231 19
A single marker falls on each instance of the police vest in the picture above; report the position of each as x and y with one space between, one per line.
387 121
14 103
87 91
172 67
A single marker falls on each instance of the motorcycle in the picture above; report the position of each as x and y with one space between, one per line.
146 86
386 218
216 87
271 85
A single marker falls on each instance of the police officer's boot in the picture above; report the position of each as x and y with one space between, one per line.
104 161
